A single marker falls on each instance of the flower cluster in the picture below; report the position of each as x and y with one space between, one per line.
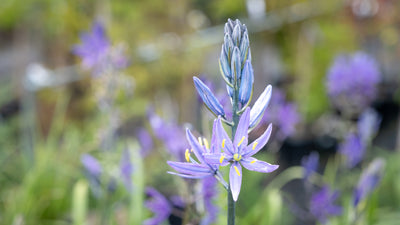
238 74
352 81
97 53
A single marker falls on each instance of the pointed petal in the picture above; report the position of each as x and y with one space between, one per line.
199 176
259 143
235 179
220 159
242 130
236 64
190 168
208 97
259 106
244 47
196 147
254 164
226 145
246 84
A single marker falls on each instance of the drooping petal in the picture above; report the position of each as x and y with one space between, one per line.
198 176
246 84
235 179
190 168
221 159
196 147
254 164
208 97
241 131
259 106
236 64
259 143
226 143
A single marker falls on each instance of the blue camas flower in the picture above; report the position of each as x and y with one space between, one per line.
238 152
369 180
353 149
198 169
322 204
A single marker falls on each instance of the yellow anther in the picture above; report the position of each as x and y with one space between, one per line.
200 141
222 158
223 143
191 150
206 143
187 155
237 170
241 141
237 157
253 161
254 145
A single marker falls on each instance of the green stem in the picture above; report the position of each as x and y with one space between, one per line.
231 202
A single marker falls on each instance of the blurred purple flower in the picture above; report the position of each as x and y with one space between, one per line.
322 204
91 165
94 48
368 125
171 134
310 164
145 142
352 81
353 149
126 169
159 205
209 193
369 179
282 114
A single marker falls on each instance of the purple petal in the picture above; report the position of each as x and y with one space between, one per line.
235 179
199 176
259 143
190 168
197 148
242 129
253 164
228 148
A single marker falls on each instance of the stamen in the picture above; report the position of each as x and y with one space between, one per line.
221 159
253 161
200 141
237 170
187 155
191 150
241 141
206 143
254 145
237 157
223 143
